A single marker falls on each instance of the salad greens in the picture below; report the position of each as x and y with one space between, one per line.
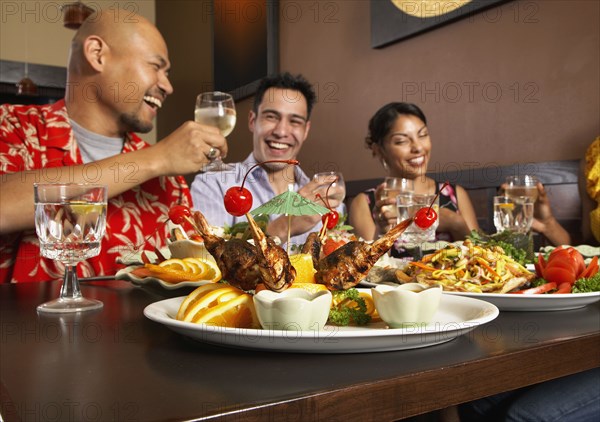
515 245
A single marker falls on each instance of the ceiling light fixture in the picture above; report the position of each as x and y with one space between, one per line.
74 14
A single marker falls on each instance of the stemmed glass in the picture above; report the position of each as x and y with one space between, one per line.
70 221
216 109
337 191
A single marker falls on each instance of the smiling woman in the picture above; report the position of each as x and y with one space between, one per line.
399 139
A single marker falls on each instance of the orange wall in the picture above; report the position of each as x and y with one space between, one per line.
518 83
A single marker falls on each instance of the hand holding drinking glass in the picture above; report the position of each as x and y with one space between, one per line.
523 185
70 221
216 109
392 187
337 191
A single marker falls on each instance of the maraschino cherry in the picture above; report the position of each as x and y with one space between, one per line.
238 199
425 217
182 215
330 219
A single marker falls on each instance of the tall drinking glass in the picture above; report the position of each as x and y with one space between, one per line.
393 186
70 221
513 214
408 204
216 109
337 190
522 185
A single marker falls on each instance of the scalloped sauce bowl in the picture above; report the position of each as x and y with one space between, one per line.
406 305
292 309
188 249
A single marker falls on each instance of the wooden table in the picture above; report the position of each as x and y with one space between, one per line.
117 365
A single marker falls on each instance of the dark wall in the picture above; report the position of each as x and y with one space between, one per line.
186 27
515 84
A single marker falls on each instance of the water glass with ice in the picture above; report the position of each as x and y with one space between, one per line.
514 214
70 222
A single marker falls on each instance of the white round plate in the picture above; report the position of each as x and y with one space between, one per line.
542 302
455 317
125 274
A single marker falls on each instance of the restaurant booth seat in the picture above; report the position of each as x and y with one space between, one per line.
560 179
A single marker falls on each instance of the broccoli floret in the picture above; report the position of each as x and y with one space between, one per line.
585 285
348 308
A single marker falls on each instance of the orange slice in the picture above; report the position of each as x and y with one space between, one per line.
194 296
238 312
221 305
305 271
175 264
187 269
196 266
309 287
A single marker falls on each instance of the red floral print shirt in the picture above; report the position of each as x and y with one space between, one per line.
40 137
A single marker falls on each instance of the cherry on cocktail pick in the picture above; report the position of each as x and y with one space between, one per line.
426 216
238 199
330 219
182 215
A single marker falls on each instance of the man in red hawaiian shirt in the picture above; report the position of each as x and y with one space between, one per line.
117 80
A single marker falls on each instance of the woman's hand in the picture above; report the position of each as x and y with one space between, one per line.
385 212
453 223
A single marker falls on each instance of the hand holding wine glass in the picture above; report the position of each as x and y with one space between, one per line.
334 181
70 221
216 109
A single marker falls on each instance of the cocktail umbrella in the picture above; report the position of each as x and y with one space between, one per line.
289 203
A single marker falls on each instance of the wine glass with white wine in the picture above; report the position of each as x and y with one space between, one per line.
216 109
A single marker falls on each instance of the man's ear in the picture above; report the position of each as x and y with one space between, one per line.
95 51
307 130
251 120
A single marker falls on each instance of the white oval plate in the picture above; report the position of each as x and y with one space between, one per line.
125 274
455 317
136 258
542 302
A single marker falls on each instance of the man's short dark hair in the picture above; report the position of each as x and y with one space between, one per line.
286 81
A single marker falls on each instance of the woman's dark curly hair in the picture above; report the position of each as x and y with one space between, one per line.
383 120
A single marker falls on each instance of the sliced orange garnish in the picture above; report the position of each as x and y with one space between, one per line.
188 269
305 271
237 313
171 275
175 264
309 287
197 294
221 305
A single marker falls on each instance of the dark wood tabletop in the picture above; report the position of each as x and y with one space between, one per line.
115 364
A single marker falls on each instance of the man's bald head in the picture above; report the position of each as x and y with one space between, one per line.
117 28
117 74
